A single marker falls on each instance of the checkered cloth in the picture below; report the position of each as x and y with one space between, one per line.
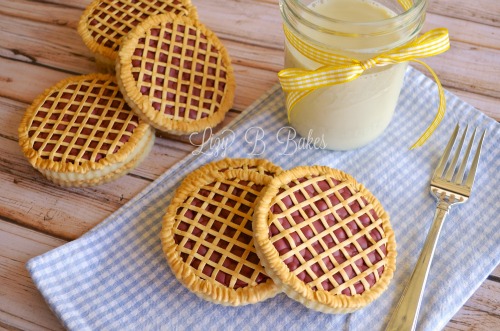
116 278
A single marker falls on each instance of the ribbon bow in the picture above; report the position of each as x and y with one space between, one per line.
337 69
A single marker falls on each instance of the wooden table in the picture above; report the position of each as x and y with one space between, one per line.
39 46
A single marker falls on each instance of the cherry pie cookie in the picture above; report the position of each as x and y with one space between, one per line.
176 74
207 232
324 239
81 132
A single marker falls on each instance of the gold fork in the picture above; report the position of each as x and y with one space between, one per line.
449 187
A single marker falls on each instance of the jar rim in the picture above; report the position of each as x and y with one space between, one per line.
417 6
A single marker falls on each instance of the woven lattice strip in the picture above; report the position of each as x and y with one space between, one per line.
307 227
180 71
112 19
83 121
211 241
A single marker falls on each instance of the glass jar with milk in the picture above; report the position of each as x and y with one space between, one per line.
351 114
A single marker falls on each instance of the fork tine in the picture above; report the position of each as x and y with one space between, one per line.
453 164
472 172
442 162
460 175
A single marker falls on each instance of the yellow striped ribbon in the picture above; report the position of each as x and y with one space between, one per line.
337 69
406 4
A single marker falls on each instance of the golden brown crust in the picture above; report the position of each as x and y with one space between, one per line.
104 39
185 91
195 279
332 301
52 119
100 177
261 166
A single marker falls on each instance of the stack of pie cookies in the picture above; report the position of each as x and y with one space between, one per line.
239 231
163 69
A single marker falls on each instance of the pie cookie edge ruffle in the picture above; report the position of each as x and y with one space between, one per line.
102 176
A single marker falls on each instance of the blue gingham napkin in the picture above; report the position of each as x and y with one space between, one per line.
116 278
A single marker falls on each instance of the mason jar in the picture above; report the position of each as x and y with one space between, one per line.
352 114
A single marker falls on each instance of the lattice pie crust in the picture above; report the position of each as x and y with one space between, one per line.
176 74
81 132
207 234
324 239
104 23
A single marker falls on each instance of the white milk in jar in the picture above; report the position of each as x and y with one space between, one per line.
350 115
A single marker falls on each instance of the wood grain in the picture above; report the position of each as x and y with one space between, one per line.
21 305
39 46
481 11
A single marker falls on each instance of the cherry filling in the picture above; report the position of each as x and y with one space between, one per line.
178 72
319 230
216 238
113 19
86 122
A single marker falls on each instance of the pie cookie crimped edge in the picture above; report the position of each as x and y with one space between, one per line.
296 289
143 132
141 103
261 166
98 177
210 290
106 55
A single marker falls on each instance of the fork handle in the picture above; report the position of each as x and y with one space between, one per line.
405 316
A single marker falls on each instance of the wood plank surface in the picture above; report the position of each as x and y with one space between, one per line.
39 46
481 11
21 305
